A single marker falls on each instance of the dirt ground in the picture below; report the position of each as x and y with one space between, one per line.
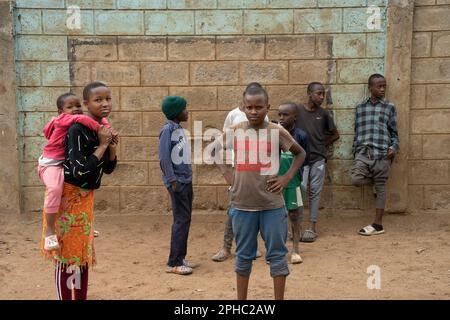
413 256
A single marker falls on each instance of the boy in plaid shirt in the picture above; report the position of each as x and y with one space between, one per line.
374 146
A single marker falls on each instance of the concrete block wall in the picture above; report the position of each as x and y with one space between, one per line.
429 150
205 50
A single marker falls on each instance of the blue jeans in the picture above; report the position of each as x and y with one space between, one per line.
273 227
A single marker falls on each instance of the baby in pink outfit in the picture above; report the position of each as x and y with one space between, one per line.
50 167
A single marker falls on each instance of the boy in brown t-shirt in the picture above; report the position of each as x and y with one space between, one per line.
256 199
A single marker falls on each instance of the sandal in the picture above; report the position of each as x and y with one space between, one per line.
181 270
96 233
220 256
369 231
51 242
308 236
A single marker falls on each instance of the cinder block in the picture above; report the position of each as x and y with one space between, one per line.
305 71
107 200
143 200
375 46
165 73
45 48
341 46
209 174
152 123
214 73
437 197
32 123
139 148
241 4
218 22
345 121
436 146
191 4
198 98
421 44
339 172
415 146
430 71
28 73
346 96
230 97
240 48
265 72
438 96
343 147
55 73
93 48
268 21
441 44
342 3
317 20
133 4
154 172
80 73
60 22
32 199
357 20
119 22
94 4
418 97
204 198
192 48
40 3
210 120
431 18
142 49
421 120
346 197
38 99
290 47
29 175
27 21
283 94
142 99
117 73
128 124
31 148
428 172
358 71
127 174
169 22
288 4
415 198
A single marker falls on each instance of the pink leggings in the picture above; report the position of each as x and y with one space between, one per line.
53 178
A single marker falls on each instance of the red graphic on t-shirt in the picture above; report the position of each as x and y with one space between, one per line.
253 155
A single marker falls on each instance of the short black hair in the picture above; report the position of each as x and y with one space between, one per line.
91 86
255 88
62 98
312 84
374 76
291 105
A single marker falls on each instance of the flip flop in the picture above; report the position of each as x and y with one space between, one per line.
308 236
369 231
51 242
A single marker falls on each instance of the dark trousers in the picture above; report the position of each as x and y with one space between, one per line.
181 200
71 284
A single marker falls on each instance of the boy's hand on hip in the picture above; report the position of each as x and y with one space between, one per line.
277 184
390 154
174 185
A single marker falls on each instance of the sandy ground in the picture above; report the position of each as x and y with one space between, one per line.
413 256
